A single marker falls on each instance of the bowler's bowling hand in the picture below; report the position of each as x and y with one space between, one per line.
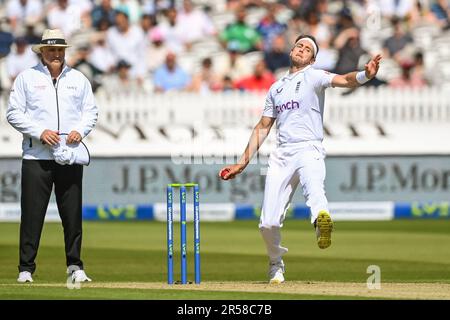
229 172
73 137
50 137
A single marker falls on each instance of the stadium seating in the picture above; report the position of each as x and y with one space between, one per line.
368 121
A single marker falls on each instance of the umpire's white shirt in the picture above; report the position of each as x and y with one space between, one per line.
36 104
297 102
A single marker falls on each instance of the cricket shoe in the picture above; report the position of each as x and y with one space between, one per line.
276 271
80 276
24 276
324 227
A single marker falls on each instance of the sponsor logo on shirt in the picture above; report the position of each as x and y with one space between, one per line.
290 105
40 87
71 87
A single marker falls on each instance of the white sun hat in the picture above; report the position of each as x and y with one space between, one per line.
51 38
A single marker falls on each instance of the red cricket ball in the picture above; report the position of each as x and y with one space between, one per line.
224 172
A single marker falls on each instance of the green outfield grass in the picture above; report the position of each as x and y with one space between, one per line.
407 251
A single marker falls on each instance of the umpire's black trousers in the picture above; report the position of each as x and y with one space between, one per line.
38 178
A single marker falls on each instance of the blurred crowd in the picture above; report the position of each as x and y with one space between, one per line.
220 45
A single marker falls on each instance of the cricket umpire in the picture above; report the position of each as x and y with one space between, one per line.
46 101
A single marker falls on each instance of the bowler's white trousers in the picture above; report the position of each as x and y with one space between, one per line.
288 165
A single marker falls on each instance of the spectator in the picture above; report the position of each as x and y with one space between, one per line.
299 7
227 84
295 27
421 14
121 81
83 9
103 12
269 27
104 25
316 28
197 22
326 58
172 32
409 78
81 62
232 5
394 44
419 71
325 16
205 80
157 50
148 22
6 39
65 17
441 10
344 21
30 34
101 57
127 42
170 76
21 11
85 6
155 7
20 59
396 8
260 80
151 23
241 34
277 57
350 53
233 64
132 8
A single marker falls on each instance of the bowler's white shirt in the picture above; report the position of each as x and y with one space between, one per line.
297 102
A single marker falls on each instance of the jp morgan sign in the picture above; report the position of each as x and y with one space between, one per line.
390 178
393 177
142 180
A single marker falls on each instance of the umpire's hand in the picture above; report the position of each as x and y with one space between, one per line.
50 137
73 137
